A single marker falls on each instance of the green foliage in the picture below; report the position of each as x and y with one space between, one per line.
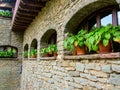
6 13
25 54
33 52
104 34
50 48
9 52
73 40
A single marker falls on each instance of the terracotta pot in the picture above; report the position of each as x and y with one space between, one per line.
34 56
80 51
55 54
47 55
74 52
103 49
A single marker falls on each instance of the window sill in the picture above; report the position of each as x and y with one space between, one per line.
47 58
9 59
94 56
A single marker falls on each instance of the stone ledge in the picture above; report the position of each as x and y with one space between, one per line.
9 59
94 56
47 58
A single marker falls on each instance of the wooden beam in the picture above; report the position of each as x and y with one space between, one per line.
25 18
19 25
22 21
21 15
32 4
29 9
35 1
26 14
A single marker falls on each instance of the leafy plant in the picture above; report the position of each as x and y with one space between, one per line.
50 49
6 13
33 52
104 34
25 54
73 40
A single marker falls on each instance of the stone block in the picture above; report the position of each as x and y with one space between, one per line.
92 66
81 81
102 80
65 63
114 79
75 85
49 75
88 76
106 68
99 74
74 73
80 67
70 68
116 68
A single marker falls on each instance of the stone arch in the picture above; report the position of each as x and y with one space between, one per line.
44 41
81 13
33 44
26 47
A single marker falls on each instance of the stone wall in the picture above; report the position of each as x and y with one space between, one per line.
60 74
62 16
9 74
71 75
8 37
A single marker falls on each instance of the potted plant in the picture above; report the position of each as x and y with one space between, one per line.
116 33
33 53
43 52
76 43
99 39
25 54
51 50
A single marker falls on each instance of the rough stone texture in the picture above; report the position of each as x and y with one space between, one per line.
63 16
46 75
8 37
106 68
116 68
115 79
9 74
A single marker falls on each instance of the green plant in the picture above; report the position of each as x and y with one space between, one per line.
74 40
6 13
25 54
33 52
52 48
104 34
43 51
116 33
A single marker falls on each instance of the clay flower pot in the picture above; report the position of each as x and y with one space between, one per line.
80 51
103 49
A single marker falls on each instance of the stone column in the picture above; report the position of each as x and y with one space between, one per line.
28 51
60 40
38 50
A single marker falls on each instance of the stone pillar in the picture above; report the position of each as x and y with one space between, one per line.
38 51
60 40
28 51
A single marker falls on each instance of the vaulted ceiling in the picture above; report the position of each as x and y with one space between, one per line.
25 12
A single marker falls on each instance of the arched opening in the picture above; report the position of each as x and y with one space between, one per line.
33 49
26 51
98 26
48 44
7 51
